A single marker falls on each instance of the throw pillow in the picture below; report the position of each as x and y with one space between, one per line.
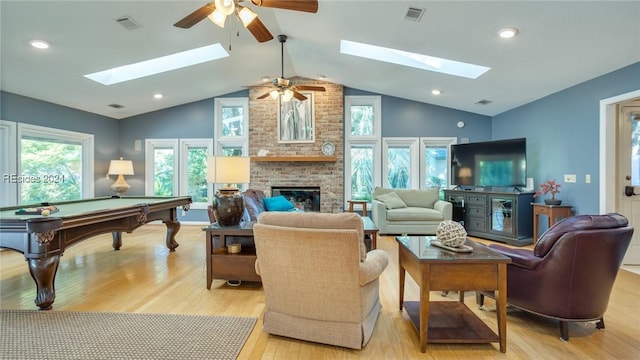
278 203
392 200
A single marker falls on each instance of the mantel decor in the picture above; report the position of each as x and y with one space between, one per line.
296 123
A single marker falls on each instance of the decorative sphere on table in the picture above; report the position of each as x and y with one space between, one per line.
451 233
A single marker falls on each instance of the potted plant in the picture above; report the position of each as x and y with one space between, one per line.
552 187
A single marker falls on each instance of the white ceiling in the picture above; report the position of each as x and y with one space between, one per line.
561 43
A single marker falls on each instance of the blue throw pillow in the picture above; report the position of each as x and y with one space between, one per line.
277 203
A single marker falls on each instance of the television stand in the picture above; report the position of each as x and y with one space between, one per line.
501 216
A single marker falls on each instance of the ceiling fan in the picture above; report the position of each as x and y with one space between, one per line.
218 10
283 85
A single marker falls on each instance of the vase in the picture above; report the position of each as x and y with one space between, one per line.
552 201
228 207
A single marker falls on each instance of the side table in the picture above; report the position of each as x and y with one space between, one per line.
552 212
370 232
223 265
361 202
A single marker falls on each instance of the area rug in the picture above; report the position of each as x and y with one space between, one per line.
34 334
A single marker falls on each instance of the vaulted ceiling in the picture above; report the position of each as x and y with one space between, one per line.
560 44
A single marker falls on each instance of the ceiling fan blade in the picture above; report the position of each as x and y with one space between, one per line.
312 88
310 6
299 96
196 16
264 96
259 31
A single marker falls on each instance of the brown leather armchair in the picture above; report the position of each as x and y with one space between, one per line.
570 272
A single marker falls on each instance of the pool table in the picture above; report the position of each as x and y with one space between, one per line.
43 239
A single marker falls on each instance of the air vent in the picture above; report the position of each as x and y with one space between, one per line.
116 106
484 102
414 14
128 23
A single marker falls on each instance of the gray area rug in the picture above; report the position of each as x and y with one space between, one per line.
34 334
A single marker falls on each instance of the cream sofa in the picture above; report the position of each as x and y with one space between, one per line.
319 282
409 211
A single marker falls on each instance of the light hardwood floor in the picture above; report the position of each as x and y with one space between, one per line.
144 277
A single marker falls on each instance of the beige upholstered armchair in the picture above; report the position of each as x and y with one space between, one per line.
319 282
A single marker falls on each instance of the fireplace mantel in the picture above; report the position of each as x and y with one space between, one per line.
294 159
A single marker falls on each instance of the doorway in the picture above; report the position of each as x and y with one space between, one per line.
614 168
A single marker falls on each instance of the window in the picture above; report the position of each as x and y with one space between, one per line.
434 162
160 166
8 166
361 171
362 146
53 164
178 167
400 166
231 125
193 171
231 121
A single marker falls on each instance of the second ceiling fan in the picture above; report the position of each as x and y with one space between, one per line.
218 10
284 89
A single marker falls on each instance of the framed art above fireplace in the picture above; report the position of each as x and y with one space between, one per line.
296 123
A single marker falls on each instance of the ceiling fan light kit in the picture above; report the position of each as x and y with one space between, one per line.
218 18
225 6
218 10
284 90
246 15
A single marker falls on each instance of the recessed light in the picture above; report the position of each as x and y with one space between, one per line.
507 33
436 92
158 96
39 44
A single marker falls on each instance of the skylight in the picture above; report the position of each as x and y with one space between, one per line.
159 65
418 61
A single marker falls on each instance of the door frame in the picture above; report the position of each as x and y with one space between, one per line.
609 183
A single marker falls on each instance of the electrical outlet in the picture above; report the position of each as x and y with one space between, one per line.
570 178
587 178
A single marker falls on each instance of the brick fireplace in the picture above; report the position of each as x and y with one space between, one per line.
295 171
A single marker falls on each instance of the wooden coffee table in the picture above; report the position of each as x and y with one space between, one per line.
436 269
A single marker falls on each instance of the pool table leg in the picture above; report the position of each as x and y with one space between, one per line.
43 271
172 229
117 240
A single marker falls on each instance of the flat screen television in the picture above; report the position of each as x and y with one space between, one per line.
501 163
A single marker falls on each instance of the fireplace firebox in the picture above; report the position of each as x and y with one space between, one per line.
306 198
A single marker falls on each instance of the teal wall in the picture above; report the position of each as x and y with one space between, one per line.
21 109
562 130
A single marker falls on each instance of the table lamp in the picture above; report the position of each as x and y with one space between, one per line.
120 168
230 171
465 175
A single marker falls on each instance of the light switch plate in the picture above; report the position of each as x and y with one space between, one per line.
570 178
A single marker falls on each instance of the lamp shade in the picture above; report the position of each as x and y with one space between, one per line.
464 172
121 167
228 169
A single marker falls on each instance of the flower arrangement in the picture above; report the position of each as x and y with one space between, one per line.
550 186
